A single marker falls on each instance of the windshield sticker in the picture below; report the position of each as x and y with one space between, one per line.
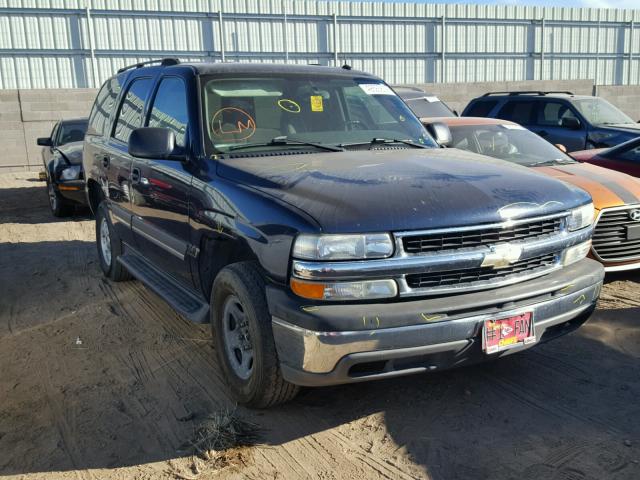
316 103
512 127
289 105
232 124
431 99
375 89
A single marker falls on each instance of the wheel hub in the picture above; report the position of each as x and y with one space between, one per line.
237 340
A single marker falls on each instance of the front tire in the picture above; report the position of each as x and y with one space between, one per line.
59 206
241 327
109 246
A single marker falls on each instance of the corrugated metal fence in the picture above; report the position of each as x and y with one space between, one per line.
69 43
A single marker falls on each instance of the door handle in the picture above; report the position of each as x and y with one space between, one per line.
105 162
135 175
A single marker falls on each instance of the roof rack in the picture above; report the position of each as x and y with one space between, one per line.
528 92
164 62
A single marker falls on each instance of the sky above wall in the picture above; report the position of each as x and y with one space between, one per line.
545 3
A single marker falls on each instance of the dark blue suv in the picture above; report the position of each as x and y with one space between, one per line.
306 213
579 122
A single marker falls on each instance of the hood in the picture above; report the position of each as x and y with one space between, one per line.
608 188
624 127
72 152
583 155
383 190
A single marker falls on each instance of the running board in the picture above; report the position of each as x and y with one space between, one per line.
180 298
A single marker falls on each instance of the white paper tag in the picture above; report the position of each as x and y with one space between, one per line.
375 89
512 127
432 99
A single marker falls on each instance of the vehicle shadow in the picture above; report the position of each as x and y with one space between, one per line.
30 205
102 375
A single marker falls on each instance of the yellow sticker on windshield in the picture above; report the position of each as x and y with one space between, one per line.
316 103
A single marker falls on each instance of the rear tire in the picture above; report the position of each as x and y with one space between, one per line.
59 206
241 327
109 246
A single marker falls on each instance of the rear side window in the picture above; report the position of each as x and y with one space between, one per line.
481 108
103 106
170 108
517 111
132 108
551 113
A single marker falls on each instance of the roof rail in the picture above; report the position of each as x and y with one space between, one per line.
528 92
165 62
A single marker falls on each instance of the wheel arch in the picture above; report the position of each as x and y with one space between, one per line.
94 195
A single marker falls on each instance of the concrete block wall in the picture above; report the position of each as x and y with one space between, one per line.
26 115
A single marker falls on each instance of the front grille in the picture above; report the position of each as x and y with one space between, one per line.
481 274
436 242
610 240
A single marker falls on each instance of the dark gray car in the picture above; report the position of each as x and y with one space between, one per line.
578 122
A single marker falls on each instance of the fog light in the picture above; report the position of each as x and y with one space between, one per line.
576 253
367 290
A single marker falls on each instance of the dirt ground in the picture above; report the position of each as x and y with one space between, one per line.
104 381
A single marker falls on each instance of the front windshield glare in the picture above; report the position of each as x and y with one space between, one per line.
507 142
323 109
601 112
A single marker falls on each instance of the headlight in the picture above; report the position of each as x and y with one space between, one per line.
343 247
576 253
336 291
581 217
70 173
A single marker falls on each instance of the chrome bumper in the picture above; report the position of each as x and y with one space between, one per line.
314 358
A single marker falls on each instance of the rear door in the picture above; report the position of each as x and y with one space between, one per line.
160 187
548 124
129 116
519 111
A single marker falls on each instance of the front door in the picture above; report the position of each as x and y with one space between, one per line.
550 125
160 188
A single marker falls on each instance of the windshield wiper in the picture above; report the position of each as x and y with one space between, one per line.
284 141
555 161
382 141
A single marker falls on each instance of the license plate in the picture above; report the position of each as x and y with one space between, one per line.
633 232
504 333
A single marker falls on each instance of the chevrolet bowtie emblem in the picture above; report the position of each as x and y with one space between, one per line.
501 256
635 215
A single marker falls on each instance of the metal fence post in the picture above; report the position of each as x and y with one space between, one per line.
335 39
443 47
631 39
221 35
285 35
94 62
542 41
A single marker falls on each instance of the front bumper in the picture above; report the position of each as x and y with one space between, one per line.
407 337
72 190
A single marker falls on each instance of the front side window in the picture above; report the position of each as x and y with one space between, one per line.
324 109
170 108
552 114
132 108
71 132
518 111
600 112
507 142
103 106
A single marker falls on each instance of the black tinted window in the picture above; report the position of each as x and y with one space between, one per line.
517 111
170 108
103 106
632 155
481 108
71 132
132 108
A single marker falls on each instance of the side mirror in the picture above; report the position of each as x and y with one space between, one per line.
571 123
45 142
561 147
440 133
152 143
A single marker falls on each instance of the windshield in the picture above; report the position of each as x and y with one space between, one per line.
600 112
507 142
321 109
72 132
428 107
